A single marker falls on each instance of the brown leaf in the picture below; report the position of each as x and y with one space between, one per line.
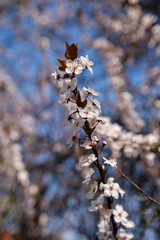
83 104
86 127
62 63
71 51
61 69
79 102
65 76
78 99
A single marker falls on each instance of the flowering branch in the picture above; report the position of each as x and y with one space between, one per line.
84 111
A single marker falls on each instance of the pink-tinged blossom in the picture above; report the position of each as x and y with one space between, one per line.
75 66
88 175
119 214
73 117
97 204
90 91
104 235
95 103
111 189
68 86
73 138
77 124
63 99
88 144
87 160
87 62
104 143
95 140
121 192
111 162
105 214
93 190
123 235
103 227
128 223
68 119
55 74
88 112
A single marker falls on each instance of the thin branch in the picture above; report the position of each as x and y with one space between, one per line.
140 189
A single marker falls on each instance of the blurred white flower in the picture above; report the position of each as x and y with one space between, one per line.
87 160
75 66
68 86
111 162
87 62
124 235
97 204
90 91
93 190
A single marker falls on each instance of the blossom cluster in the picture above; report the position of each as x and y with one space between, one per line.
84 117
131 144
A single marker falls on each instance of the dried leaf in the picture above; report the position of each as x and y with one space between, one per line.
71 51
61 69
83 104
62 63
86 127
65 76
78 99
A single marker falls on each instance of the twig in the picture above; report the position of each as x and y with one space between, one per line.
140 189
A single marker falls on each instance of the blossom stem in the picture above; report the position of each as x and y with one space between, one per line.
109 201
102 174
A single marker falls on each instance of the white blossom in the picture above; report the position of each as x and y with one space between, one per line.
105 215
88 144
68 86
78 123
111 162
88 175
97 204
88 112
123 235
93 190
95 103
104 234
55 74
103 226
63 98
128 223
90 91
87 160
111 189
95 140
73 138
120 216
121 191
87 62
75 66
